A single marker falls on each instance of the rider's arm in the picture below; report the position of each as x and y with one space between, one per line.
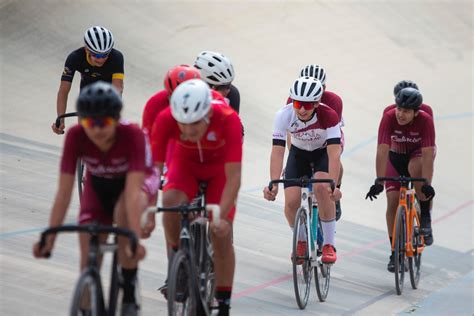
231 188
276 161
118 83
63 92
118 71
62 199
133 204
334 158
427 162
381 160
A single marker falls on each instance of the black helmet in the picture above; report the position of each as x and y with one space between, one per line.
404 84
99 99
409 98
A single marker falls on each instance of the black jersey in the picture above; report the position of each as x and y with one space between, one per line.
79 61
234 98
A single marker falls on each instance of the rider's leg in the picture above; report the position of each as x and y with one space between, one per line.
224 263
292 203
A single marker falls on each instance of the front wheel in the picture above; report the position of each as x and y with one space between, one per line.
399 251
182 296
322 272
88 299
302 270
414 262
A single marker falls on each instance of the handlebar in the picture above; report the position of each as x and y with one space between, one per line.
401 179
303 182
213 209
58 119
91 229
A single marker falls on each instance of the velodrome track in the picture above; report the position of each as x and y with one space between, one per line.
365 46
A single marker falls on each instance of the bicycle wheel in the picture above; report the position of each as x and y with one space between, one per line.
88 298
80 177
302 270
322 272
114 285
182 296
414 262
400 240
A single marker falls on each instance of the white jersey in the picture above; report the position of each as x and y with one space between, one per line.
314 134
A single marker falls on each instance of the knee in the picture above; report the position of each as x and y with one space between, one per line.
292 204
321 190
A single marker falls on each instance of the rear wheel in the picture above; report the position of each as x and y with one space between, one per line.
400 242
302 270
87 299
322 272
182 297
415 261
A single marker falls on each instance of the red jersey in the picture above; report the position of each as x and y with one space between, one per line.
130 152
423 107
221 143
405 139
330 99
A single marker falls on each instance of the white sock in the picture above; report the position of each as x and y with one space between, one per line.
329 230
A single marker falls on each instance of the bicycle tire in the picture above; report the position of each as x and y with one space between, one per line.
181 295
80 177
399 251
414 262
115 285
322 272
302 270
88 295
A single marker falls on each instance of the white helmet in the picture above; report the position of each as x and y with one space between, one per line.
315 71
99 40
216 69
306 89
190 101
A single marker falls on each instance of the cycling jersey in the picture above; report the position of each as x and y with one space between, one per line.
106 172
321 130
79 61
406 139
201 161
423 107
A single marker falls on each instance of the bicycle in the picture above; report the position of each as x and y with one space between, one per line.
407 240
308 226
80 165
191 278
88 298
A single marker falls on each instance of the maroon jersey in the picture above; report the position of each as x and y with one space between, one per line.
406 139
129 153
423 107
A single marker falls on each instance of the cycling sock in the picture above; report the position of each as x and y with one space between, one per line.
391 240
223 295
425 212
329 230
129 282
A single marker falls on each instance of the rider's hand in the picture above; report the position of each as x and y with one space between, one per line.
270 195
375 190
428 191
44 252
223 228
149 226
58 130
335 195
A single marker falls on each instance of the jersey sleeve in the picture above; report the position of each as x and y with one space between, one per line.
280 128
384 130
70 151
70 67
161 132
118 68
332 125
233 138
428 139
137 143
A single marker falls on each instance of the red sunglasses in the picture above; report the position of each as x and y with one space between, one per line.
308 106
89 122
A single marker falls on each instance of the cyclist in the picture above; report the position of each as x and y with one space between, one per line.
408 84
208 147
217 70
120 180
97 60
332 100
406 139
315 139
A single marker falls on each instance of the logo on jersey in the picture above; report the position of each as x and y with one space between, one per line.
404 139
181 75
95 74
86 70
66 71
211 136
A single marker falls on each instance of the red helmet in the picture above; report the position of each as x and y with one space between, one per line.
179 74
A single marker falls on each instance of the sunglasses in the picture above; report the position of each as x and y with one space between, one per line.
89 122
99 56
308 106
222 87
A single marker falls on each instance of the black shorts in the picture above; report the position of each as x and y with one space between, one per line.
299 163
400 162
